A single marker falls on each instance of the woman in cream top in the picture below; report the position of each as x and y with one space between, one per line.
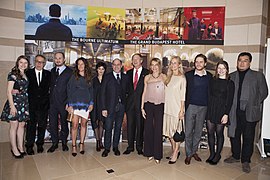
174 108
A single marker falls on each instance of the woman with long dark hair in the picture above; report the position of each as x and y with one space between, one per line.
97 120
16 109
80 101
220 99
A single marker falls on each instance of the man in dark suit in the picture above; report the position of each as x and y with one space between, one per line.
54 29
60 76
216 32
133 109
113 100
38 95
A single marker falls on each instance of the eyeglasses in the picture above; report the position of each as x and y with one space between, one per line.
40 62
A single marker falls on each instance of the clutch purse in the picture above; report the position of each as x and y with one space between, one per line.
70 116
179 137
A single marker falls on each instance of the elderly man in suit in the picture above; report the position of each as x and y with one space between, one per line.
60 76
250 91
113 100
134 116
38 95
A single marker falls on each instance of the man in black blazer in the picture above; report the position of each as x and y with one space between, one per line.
38 95
134 116
113 100
60 76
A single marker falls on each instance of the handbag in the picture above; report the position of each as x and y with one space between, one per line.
70 116
179 137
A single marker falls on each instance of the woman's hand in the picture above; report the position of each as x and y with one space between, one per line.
104 113
70 109
224 119
181 115
90 108
143 113
13 111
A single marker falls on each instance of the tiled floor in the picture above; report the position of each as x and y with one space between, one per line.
63 166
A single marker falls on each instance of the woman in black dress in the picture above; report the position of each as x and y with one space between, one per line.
220 99
97 119
16 108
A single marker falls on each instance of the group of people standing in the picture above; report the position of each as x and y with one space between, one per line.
155 103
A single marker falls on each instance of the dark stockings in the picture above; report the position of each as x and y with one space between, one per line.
99 134
215 134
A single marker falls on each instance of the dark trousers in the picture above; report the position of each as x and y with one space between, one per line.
56 113
135 128
37 123
247 130
153 126
116 119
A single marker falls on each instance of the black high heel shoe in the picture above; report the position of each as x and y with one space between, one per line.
74 153
82 150
22 153
215 160
172 162
16 156
98 148
209 160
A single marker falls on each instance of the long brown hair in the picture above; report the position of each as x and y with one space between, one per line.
87 70
159 64
15 70
226 65
170 73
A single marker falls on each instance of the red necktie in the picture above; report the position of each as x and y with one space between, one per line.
135 79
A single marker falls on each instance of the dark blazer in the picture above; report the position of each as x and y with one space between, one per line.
109 97
219 34
134 97
54 30
58 88
190 80
38 95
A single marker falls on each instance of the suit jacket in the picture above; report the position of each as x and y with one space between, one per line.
58 88
54 30
109 91
219 34
38 95
254 92
134 97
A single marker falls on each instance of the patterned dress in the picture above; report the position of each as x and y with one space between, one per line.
20 101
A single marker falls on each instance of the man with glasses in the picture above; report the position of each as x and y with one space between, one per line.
250 92
38 94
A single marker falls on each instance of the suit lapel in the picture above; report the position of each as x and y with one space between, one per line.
35 77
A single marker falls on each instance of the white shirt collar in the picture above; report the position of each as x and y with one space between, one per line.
204 73
115 74
37 71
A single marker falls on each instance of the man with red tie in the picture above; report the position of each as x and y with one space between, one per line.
133 107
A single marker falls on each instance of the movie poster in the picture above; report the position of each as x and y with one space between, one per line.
103 34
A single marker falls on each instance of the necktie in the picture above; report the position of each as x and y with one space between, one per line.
135 82
38 78
118 78
57 72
